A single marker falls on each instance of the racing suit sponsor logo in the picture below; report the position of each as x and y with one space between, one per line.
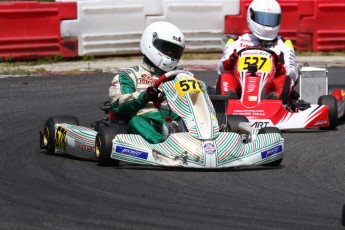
131 152
210 148
244 45
271 152
145 81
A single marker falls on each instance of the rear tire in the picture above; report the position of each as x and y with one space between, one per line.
104 145
234 120
267 130
49 130
343 216
331 102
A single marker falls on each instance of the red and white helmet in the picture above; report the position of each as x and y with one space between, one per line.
263 18
163 44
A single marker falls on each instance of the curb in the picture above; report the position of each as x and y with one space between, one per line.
115 64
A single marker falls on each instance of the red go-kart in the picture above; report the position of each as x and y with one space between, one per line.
255 68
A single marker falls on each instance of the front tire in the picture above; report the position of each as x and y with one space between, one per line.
267 130
331 102
49 130
104 145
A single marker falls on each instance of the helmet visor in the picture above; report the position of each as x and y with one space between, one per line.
265 18
170 49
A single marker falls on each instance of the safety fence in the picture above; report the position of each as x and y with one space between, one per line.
72 28
317 25
31 30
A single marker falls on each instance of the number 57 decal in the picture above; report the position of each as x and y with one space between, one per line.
186 86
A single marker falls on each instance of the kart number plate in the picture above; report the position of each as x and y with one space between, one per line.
186 86
263 63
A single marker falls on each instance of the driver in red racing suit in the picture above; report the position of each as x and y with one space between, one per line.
263 18
131 91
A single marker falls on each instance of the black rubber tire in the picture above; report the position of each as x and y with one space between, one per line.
220 105
331 102
343 216
49 130
267 130
234 120
104 145
211 90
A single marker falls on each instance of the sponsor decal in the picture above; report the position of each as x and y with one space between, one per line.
84 147
60 138
250 112
260 124
131 152
251 84
210 148
271 152
179 39
225 86
317 123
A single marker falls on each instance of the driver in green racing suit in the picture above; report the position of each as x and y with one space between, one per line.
131 91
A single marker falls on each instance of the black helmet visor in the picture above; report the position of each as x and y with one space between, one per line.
170 49
265 18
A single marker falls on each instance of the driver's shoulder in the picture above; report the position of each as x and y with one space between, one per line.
130 72
286 42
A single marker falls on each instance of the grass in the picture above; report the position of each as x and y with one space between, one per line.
15 71
9 66
187 56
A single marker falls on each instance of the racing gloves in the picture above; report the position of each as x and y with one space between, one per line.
229 64
151 94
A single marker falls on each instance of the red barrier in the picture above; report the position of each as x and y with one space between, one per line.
236 25
310 25
292 12
31 30
327 25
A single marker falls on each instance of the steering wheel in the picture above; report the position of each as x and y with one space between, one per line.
169 76
274 54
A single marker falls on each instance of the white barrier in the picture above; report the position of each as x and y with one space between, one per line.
106 27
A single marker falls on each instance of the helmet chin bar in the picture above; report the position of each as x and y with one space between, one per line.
167 64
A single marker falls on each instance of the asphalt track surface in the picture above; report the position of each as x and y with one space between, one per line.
40 191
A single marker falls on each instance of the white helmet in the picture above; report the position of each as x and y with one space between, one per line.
163 44
263 18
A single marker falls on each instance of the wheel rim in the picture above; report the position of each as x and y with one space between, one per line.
46 136
98 147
